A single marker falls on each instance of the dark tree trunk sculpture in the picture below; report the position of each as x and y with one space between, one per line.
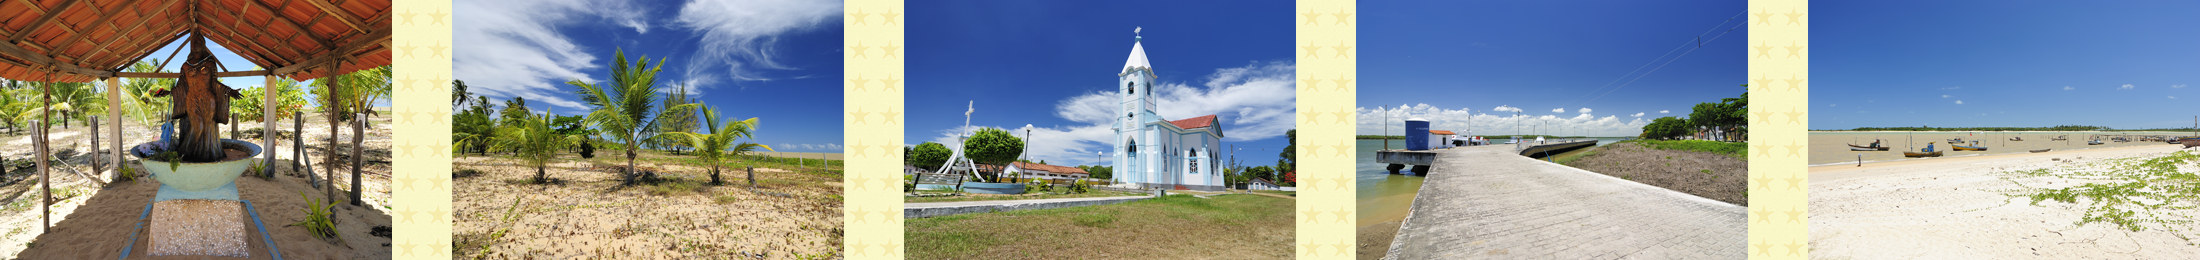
200 104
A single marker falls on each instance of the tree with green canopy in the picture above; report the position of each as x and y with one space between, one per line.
719 143
625 108
534 142
928 156
993 146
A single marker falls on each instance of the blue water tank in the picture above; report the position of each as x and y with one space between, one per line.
1416 134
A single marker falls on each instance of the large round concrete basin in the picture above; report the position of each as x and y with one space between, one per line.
200 176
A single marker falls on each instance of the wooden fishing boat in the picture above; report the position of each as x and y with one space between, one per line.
2019 138
1867 148
1968 148
2042 150
2093 142
2191 142
2060 138
1920 154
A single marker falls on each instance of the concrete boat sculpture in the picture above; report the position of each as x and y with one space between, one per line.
196 161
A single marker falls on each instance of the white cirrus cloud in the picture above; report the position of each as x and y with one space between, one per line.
1665 111
2177 86
1584 110
1959 101
1469 122
2126 87
2172 97
1253 102
740 37
2068 88
513 47
1638 114
1945 96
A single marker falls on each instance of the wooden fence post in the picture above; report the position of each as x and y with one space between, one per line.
95 145
298 147
358 137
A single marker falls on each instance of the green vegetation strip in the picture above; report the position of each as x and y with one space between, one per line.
2134 194
1735 149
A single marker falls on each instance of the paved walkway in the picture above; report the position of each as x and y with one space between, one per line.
935 209
1487 202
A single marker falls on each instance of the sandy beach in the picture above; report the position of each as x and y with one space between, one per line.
1969 207
94 222
587 213
1831 147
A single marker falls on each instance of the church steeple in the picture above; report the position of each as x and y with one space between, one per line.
1137 60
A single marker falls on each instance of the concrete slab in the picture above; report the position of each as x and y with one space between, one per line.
1489 202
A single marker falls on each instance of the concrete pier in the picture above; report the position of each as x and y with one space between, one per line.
1491 202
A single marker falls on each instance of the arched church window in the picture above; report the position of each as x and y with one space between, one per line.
1133 87
1133 148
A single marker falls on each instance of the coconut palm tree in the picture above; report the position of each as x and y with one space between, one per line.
147 109
625 109
534 141
718 144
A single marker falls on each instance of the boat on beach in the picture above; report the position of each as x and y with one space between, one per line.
2042 150
2093 142
1921 154
1973 147
2190 142
2060 138
1866 148
2019 138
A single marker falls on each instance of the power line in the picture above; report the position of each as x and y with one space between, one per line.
1691 45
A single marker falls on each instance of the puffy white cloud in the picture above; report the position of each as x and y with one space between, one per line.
742 35
1638 114
2126 87
1485 123
1945 96
1959 101
513 49
1253 102
1558 110
1506 108
1585 110
1665 111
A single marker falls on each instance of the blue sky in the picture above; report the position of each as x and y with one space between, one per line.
1993 63
777 60
1608 67
1052 65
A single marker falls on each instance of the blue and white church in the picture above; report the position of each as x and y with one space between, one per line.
1156 153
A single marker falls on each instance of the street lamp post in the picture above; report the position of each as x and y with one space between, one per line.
1027 151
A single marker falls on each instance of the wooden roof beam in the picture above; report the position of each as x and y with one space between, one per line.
276 15
332 9
42 20
104 16
365 40
41 59
164 7
238 35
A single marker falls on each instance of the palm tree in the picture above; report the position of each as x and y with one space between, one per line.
146 108
288 101
624 110
719 143
534 141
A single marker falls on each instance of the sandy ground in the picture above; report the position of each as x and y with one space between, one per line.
92 221
1682 171
1831 147
1950 208
587 213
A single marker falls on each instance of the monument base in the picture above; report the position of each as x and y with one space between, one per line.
198 227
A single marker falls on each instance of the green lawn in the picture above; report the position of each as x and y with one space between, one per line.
1172 227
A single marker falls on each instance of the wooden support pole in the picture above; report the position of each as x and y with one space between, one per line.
114 117
332 107
45 184
267 125
358 137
